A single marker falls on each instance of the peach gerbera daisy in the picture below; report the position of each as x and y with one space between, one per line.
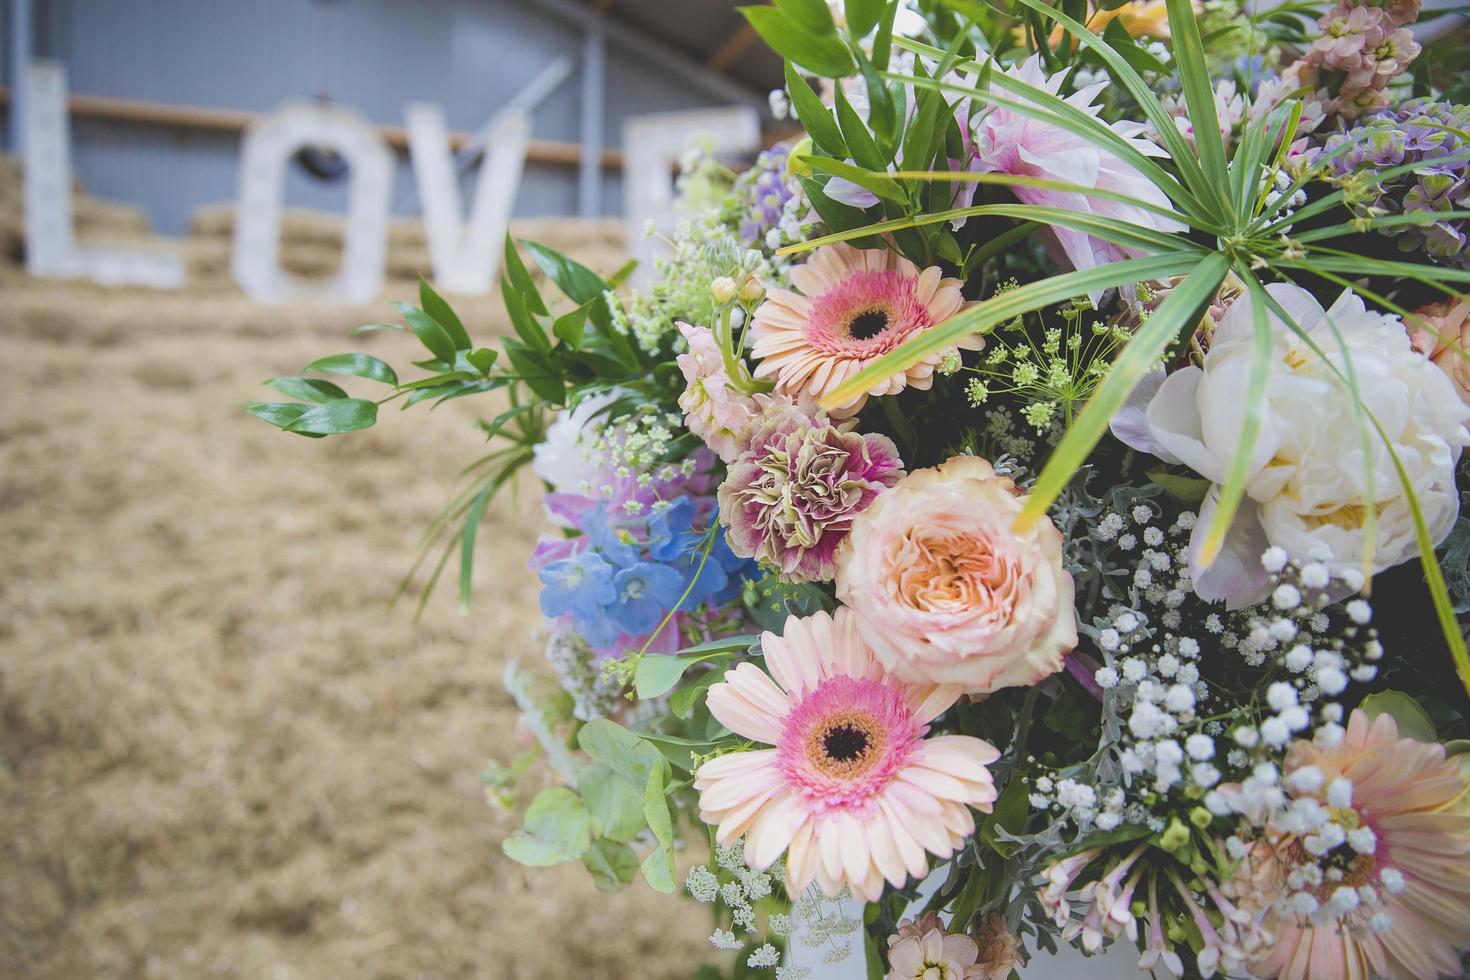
1412 918
852 791
854 306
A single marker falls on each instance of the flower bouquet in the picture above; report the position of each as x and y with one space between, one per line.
1026 503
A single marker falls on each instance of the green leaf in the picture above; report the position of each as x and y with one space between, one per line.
306 389
483 358
823 54
815 117
882 113
1141 353
1010 811
493 427
535 369
441 311
278 414
580 283
862 16
520 281
883 187
813 15
571 327
620 750
682 701
557 828
860 142
658 867
1412 720
355 365
657 673
613 864
1117 35
429 332
336 416
614 800
677 751
1186 489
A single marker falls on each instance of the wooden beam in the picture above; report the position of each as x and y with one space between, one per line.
208 118
735 46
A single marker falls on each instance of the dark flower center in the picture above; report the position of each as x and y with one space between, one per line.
868 324
844 743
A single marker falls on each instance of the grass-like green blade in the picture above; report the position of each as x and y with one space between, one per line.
1140 354
1039 104
1009 305
1190 171
1381 221
1199 97
1232 491
1016 180
1109 229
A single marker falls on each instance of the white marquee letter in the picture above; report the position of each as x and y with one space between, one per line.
652 145
51 246
466 256
268 146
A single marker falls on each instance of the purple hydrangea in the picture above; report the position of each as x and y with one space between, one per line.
1421 133
789 499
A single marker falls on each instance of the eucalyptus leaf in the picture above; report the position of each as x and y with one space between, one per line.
557 828
1412 720
613 864
614 800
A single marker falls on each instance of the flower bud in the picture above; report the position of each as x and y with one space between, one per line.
722 289
752 289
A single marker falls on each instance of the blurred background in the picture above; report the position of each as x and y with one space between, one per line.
221 754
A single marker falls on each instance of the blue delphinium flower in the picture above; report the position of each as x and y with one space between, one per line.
582 586
646 592
616 544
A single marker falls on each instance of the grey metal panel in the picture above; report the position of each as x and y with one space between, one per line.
374 55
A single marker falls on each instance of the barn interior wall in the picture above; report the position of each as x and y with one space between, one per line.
470 56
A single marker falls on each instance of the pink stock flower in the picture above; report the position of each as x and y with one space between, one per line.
1414 872
1007 142
790 497
852 790
713 409
852 307
949 591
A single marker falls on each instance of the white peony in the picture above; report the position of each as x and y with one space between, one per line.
1307 490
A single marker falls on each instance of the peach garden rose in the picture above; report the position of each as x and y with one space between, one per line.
948 592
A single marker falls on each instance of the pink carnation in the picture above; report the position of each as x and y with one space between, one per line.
790 497
949 591
713 409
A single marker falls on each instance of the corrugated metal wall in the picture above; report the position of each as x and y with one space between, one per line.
375 55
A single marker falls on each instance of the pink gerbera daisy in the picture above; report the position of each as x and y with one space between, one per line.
853 306
1411 914
852 791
